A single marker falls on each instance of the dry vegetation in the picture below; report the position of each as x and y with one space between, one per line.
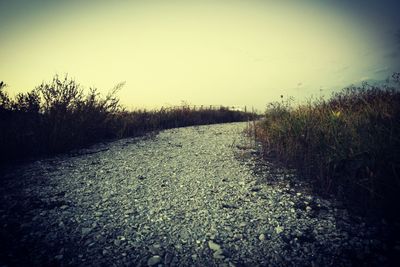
59 116
348 145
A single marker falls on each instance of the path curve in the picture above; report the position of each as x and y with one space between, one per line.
187 196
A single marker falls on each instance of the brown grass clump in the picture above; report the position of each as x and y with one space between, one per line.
348 145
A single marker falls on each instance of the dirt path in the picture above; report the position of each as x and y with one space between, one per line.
187 196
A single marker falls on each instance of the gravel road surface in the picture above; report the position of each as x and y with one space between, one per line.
192 196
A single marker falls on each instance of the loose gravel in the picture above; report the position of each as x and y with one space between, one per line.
187 196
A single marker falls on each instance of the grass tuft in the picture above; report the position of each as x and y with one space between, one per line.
348 145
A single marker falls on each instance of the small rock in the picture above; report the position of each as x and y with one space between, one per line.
154 260
155 249
210 236
238 236
279 229
86 231
219 254
59 257
261 237
214 246
98 213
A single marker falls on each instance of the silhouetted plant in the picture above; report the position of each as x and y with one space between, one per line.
5 101
58 116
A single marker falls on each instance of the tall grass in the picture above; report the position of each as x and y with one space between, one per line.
59 116
348 145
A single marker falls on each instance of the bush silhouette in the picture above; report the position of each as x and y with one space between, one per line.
59 116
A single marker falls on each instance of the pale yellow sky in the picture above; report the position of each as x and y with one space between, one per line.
203 52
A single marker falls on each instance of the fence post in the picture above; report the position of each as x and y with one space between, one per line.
254 124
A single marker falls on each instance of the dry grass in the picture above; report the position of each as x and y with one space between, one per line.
348 145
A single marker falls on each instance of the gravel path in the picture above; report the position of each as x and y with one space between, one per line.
188 196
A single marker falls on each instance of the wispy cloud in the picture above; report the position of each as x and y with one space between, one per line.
365 78
381 70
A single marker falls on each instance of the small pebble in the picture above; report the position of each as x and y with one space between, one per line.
153 260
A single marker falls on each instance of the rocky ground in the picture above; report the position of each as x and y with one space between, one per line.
189 196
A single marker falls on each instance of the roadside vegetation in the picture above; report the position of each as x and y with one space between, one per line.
348 145
59 116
